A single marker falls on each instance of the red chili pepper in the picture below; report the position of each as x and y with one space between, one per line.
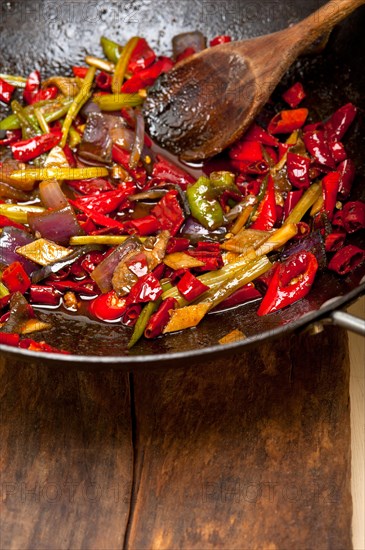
91 260
159 320
347 259
330 184
159 271
106 202
258 167
147 225
106 222
283 148
340 121
266 212
31 148
142 57
122 157
91 187
6 91
241 296
176 275
317 145
347 175
147 77
298 170
248 187
9 339
208 247
11 137
190 287
85 287
188 52
248 151
256 133
108 307
46 94
294 95
138 265
338 151
166 171
80 72
32 345
15 278
177 245
286 122
6 222
131 314
291 200
146 289
354 216
69 156
103 81
220 39
338 222
291 282
169 212
32 86
212 260
334 241
303 230
44 295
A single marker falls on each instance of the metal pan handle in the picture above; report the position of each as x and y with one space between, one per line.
347 321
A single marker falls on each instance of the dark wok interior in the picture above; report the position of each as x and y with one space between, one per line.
51 36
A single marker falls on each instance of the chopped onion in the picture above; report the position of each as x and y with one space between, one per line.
52 195
56 225
9 192
11 239
138 140
96 143
123 137
311 243
103 273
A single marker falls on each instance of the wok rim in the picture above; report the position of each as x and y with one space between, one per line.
164 359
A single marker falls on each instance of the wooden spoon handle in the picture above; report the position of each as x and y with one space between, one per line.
323 20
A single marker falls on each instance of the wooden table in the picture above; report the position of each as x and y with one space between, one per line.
251 451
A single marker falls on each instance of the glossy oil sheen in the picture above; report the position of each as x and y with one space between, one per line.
52 36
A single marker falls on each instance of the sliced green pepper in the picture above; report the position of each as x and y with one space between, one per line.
111 49
204 207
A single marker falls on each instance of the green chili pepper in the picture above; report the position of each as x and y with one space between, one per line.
122 64
222 180
142 322
51 110
111 49
28 126
204 207
114 102
81 98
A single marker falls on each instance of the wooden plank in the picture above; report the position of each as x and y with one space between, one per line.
66 458
251 451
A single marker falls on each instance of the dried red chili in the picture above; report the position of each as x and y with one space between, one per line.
353 215
15 278
347 259
290 282
159 320
190 287
286 122
298 170
31 148
169 213
6 91
294 95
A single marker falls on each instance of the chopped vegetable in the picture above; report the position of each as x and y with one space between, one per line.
43 252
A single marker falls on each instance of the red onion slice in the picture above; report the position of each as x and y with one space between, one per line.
56 225
52 195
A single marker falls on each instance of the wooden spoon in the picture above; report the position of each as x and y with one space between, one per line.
207 101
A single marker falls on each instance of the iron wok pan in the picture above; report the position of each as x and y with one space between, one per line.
52 35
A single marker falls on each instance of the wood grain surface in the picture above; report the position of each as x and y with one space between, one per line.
252 451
